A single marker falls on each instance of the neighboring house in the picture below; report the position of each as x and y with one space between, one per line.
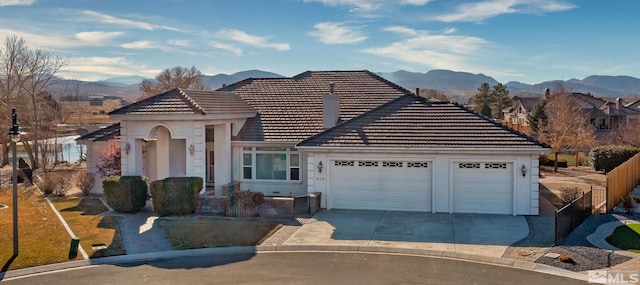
360 140
604 114
515 116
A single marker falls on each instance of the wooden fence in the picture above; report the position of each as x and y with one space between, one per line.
621 180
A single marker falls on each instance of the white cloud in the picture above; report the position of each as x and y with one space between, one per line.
96 37
450 31
235 50
432 50
179 43
93 16
473 12
255 41
401 30
139 45
336 33
356 5
102 67
414 2
16 2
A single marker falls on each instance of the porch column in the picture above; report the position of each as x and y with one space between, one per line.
222 160
162 153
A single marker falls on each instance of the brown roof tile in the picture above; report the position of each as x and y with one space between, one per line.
178 101
290 109
105 134
411 121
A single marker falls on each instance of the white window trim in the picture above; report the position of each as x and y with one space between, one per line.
288 152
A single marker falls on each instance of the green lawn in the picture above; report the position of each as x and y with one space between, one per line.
626 237
211 232
83 216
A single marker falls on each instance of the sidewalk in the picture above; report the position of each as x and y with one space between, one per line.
140 233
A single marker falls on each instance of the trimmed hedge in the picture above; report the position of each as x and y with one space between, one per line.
606 158
176 195
550 162
125 194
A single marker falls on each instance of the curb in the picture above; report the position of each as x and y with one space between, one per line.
266 249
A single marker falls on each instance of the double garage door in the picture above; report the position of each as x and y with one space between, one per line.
477 187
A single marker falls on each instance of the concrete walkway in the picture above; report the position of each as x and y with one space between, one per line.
140 233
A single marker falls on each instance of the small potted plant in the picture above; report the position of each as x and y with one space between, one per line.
629 203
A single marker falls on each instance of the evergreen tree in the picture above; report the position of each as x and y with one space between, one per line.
482 98
500 99
537 118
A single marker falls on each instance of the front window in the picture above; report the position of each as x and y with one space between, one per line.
270 163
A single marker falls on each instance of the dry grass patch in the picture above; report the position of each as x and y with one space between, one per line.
204 233
83 216
42 238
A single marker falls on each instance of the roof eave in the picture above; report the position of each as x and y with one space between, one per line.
529 150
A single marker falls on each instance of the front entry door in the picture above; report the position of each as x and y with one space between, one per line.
210 167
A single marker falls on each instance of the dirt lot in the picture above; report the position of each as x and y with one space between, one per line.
584 178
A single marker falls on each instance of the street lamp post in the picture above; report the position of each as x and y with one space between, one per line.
14 134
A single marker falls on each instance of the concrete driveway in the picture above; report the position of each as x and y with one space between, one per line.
487 235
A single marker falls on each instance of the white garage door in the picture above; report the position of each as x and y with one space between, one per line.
483 187
380 185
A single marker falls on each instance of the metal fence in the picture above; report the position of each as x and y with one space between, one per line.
572 215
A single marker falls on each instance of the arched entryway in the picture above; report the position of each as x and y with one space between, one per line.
162 155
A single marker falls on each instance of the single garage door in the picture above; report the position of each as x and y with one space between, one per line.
483 187
380 185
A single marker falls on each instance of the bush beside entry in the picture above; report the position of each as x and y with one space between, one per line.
176 195
125 194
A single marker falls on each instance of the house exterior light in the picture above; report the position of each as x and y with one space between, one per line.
320 166
524 170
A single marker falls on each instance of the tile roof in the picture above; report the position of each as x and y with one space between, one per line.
411 121
290 109
104 134
178 101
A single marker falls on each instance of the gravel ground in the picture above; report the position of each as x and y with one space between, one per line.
586 256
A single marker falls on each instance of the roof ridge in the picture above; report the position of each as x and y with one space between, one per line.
193 104
361 116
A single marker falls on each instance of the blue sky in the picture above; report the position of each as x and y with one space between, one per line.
511 40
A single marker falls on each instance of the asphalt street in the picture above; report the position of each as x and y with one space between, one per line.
296 268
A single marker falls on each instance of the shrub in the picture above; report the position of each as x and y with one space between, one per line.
49 182
569 194
629 203
550 162
125 194
566 259
606 158
110 160
85 181
544 160
56 183
247 203
176 195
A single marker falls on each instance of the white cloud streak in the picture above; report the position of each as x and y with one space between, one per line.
431 50
414 2
16 2
230 48
255 41
98 38
110 66
93 16
336 33
475 12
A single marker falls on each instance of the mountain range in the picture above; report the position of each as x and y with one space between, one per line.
455 84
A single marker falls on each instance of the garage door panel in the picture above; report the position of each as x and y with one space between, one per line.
380 185
481 187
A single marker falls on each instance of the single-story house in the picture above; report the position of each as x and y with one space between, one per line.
361 141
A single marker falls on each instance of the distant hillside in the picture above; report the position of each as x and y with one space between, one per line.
216 81
456 85
443 80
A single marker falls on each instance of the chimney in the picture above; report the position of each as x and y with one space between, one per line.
547 93
618 103
330 108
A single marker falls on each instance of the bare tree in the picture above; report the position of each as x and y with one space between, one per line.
27 73
176 77
567 126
